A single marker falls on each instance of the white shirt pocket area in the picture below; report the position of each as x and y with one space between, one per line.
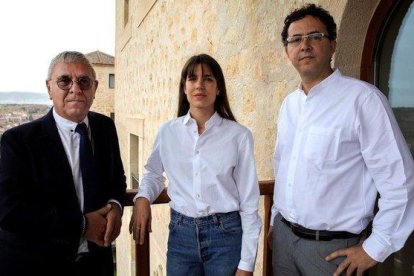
321 146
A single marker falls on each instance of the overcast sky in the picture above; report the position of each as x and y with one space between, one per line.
33 32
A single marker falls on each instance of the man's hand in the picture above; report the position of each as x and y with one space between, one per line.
240 272
269 238
96 225
113 226
356 259
140 220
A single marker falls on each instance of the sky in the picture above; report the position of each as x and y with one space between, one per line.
33 32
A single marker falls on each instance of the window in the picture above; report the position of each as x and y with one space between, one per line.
111 81
387 62
133 160
126 12
395 68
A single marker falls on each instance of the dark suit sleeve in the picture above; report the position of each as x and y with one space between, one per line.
27 203
118 185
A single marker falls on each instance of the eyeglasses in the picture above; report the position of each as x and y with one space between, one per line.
296 40
65 82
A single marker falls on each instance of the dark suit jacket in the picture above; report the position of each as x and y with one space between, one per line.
40 218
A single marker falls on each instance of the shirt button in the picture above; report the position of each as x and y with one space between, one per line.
198 196
197 152
290 184
196 173
294 158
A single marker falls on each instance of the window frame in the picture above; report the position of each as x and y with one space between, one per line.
111 83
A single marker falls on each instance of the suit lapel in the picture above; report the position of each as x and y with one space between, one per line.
52 147
98 141
101 155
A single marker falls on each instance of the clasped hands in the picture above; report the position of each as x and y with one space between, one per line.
103 225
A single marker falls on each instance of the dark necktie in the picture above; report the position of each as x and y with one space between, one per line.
87 165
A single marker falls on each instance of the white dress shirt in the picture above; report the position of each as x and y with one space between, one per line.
336 147
70 140
209 173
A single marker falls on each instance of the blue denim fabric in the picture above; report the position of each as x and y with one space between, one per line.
207 246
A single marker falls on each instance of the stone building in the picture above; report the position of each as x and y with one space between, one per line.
105 73
155 37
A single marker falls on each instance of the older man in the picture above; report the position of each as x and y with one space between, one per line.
338 145
62 182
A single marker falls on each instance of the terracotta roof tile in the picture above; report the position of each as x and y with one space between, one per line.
98 57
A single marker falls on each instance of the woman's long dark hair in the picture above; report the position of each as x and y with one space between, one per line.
221 105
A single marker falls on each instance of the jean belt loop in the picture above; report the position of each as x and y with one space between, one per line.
317 235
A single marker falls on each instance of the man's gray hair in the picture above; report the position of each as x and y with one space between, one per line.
70 57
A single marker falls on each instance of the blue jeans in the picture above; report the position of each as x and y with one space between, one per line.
207 246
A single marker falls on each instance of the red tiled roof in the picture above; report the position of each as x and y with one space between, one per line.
98 57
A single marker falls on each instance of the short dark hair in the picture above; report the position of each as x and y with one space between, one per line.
221 105
316 11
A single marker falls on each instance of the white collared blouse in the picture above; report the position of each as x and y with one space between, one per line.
209 173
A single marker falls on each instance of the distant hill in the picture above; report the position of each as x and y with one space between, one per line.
24 98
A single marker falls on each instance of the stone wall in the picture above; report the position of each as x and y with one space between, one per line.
104 97
155 38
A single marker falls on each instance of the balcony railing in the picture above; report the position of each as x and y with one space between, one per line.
399 263
142 255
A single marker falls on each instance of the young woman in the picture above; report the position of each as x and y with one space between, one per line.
209 161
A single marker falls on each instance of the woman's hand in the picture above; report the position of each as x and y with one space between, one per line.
140 220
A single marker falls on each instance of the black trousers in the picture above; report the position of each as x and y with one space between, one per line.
18 257
97 263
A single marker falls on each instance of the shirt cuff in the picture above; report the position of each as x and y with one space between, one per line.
141 195
376 248
246 266
117 202
272 217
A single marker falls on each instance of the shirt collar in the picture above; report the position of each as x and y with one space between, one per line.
187 118
216 118
65 124
335 74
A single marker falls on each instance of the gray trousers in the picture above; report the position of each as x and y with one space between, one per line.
293 255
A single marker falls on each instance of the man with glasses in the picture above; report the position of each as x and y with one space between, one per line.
338 145
62 182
